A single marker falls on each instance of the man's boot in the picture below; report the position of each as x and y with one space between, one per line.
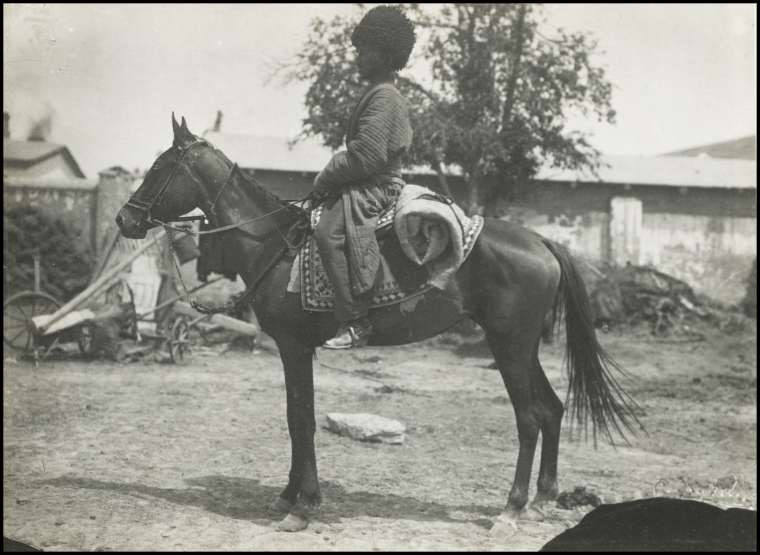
350 335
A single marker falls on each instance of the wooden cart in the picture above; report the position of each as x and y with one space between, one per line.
35 322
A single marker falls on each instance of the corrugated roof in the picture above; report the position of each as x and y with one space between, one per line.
273 153
28 151
674 171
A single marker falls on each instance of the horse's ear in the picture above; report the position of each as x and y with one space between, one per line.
184 125
175 127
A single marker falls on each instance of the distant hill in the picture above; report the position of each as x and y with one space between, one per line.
744 148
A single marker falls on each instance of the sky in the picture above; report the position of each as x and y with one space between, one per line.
110 75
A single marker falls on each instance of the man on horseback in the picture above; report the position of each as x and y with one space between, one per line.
361 182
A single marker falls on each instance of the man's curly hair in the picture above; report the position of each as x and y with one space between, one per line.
390 31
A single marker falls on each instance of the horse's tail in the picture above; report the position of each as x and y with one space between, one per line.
592 391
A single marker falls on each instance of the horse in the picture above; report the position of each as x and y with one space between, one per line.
511 283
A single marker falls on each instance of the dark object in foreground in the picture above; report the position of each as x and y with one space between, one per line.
660 524
579 497
12 546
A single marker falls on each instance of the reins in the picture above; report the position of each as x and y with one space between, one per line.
236 225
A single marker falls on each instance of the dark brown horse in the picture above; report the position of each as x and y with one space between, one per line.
510 284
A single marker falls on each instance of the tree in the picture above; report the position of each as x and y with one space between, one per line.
500 102
66 261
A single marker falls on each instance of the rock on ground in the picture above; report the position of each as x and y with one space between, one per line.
366 427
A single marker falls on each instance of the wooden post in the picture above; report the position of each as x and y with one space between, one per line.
37 271
104 279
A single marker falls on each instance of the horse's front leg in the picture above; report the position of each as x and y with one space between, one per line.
301 496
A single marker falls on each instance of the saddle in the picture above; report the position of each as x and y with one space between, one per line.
406 247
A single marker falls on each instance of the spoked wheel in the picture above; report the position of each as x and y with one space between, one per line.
18 312
179 342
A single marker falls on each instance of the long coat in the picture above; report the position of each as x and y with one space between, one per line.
367 176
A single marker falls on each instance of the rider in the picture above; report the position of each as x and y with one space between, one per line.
362 181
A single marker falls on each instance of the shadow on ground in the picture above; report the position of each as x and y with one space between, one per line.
246 499
477 348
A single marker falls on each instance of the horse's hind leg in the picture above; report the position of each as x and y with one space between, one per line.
515 360
551 411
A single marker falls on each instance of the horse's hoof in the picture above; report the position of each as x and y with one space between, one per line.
281 506
292 523
504 527
532 513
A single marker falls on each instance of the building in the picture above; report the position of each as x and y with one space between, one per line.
693 217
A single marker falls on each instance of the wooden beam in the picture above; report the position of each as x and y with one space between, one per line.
233 324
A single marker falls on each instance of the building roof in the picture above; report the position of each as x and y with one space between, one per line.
271 153
743 148
274 153
28 153
668 171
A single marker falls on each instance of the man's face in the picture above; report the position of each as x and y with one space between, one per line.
370 61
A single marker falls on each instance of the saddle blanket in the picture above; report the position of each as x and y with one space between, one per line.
423 241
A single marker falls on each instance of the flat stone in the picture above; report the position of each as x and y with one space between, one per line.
366 427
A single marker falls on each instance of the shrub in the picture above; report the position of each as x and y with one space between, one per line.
66 260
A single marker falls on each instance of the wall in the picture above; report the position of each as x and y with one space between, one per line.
286 185
713 254
707 237
114 188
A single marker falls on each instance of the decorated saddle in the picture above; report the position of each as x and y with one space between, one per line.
424 238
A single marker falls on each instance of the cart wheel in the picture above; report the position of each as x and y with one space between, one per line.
179 343
84 340
18 312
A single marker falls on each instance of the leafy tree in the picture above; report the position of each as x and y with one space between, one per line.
501 97
66 261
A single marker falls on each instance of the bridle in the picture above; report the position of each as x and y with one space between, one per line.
147 206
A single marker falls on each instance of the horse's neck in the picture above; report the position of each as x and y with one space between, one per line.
241 200
237 200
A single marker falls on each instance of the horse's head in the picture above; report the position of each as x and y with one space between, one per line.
171 187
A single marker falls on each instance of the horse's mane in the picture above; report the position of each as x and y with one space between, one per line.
251 186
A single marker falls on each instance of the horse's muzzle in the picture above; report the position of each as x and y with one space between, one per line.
130 227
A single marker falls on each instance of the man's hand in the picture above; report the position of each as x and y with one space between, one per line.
320 189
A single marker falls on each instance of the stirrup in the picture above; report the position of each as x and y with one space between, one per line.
359 337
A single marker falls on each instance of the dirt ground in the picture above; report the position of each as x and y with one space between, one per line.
103 456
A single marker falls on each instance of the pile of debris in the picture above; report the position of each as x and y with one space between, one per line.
636 295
